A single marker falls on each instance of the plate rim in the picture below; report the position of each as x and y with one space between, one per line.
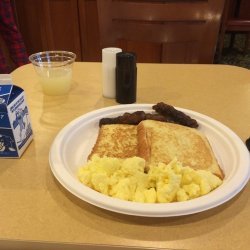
127 207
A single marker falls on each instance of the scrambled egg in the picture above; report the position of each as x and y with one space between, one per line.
125 179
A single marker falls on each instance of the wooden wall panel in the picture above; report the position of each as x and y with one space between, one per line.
89 30
49 25
29 24
188 34
186 30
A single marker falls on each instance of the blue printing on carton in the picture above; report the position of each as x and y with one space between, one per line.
17 116
4 120
7 143
5 90
22 122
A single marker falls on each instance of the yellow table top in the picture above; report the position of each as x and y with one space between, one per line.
36 209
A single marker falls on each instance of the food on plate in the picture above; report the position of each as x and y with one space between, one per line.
162 142
164 113
116 140
145 157
175 115
125 179
133 118
248 144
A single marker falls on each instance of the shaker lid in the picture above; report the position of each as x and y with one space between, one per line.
109 56
126 59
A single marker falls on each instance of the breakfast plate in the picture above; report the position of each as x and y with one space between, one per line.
74 142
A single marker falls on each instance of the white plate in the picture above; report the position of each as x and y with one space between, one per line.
74 142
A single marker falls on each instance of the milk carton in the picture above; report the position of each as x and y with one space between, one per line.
15 126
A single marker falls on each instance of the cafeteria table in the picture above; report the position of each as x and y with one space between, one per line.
36 212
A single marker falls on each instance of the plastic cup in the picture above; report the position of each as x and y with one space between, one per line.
54 69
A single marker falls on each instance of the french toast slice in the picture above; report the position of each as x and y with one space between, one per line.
116 140
162 142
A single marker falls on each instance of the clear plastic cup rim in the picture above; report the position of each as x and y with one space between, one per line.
47 58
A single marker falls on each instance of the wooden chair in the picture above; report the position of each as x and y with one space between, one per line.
236 19
162 30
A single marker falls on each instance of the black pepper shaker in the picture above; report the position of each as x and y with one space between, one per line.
126 77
